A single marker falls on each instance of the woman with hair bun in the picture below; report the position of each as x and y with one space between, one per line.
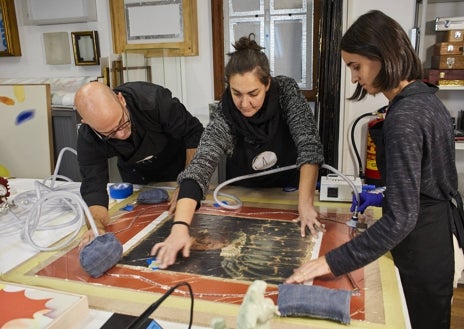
262 122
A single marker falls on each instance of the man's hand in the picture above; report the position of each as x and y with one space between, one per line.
101 218
166 251
366 199
87 237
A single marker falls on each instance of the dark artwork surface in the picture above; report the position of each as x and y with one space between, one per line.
234 248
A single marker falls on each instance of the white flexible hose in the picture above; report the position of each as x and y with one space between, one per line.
48 199
232 180
57 167
349 181
238 204
74 202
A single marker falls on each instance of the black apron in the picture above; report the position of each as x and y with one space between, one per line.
425 260
240 163
266 130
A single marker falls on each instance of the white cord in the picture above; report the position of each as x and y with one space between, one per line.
238 204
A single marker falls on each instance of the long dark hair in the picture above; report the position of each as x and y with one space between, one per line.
379 37
248 56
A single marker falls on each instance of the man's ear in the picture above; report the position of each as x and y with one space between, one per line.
121 98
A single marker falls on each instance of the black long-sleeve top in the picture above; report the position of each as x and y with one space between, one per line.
161 127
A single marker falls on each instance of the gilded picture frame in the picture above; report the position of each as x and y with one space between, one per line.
9 35
121 11
85 48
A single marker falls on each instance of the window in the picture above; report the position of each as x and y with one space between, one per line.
288 29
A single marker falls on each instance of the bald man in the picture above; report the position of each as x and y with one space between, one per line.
150 132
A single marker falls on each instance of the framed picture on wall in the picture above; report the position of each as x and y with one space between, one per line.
9 36
155 27
86 48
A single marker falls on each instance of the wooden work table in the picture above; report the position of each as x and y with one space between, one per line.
383 305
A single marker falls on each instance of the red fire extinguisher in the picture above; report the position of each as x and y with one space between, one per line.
374 132
371 173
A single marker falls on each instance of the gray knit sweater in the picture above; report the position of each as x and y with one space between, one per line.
218 138
419 153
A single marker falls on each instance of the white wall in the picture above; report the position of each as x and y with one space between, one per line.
351 110
192 80
32 63
197 71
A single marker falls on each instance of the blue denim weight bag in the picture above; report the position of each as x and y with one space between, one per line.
153 196
101 254
314 301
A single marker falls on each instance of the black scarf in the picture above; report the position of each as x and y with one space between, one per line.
261 127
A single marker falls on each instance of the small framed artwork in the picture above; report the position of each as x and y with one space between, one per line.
86 48
155 27
9 36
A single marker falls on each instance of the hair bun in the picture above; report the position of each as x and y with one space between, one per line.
245 43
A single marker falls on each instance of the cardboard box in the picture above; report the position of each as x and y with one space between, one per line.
449 62
448 48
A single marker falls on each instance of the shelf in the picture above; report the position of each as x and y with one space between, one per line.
459 145
451 87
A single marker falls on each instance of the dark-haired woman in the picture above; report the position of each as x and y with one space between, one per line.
262 122
418 164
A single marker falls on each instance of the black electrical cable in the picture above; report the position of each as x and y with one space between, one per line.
139 323
380 111
355 149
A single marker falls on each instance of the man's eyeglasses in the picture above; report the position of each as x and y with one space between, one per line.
122 125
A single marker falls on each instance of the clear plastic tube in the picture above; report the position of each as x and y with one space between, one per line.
51 199
238 204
